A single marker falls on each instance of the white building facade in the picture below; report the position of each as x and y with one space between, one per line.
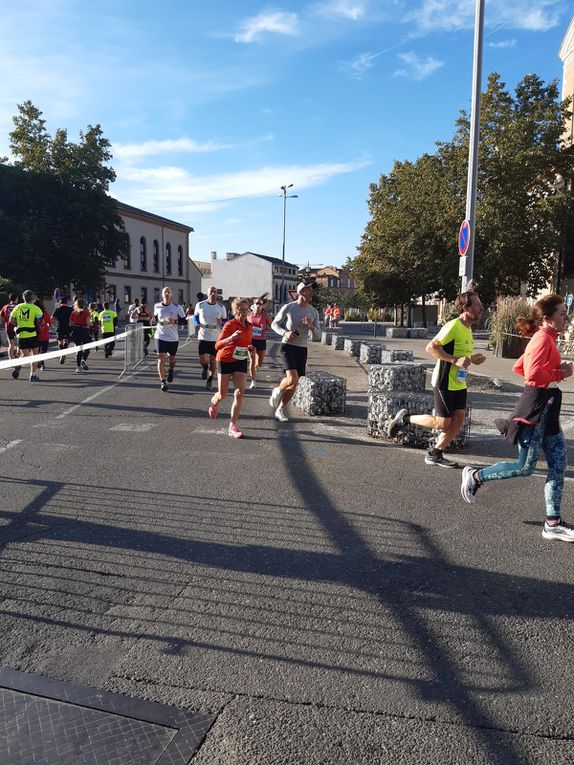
158 257
249 274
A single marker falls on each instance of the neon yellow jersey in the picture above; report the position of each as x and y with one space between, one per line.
456 340
24 318
107 320
95 316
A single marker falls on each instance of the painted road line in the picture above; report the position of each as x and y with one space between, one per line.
86 401
10 445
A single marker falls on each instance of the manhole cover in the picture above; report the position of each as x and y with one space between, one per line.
45 722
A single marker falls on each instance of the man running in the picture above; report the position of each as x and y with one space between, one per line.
62 316
452 347
108 322
293 322
166 315
5 314
210 316
26 318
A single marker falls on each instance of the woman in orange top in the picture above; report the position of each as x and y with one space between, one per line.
234 347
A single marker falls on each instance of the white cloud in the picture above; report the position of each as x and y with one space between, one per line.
417 67
503 44
451 15
177 190
359 65
348 9
131 151
277 22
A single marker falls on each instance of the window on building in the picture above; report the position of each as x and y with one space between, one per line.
144 294
180 297
156 295
180 262
127 294
155 257
128 260
143 254
168 258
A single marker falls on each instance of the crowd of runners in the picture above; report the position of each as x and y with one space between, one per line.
232 348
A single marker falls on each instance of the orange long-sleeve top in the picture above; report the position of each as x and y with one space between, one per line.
226 351
540 361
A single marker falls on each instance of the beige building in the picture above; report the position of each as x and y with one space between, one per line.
566 54
158 257
331 277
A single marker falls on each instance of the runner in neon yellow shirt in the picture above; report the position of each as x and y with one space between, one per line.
108 322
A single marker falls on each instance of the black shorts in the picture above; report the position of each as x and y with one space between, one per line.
446 402
294 357
259 345
26 343
207 346
63 333
229 367
167 346
10 334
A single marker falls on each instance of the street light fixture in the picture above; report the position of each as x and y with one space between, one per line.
282 296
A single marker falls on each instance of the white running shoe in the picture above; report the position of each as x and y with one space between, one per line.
78 370
280 414
275 398
252 384
84 365
469 485
562 532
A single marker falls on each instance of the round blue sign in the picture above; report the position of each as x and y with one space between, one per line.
464 237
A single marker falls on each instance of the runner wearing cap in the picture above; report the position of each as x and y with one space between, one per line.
293 322
210 316
259 320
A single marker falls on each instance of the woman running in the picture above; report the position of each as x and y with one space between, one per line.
44 332
535 420
259 320
80 332
233 348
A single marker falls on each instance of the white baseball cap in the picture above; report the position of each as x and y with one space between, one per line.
302 285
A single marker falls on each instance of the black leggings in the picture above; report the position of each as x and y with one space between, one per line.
81 355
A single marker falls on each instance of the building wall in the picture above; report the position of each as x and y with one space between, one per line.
129 280
242 276
566 54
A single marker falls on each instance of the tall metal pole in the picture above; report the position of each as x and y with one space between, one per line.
282 293
474 139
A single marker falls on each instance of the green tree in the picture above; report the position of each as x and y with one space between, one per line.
57 223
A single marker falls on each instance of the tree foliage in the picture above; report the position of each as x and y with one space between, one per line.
524 203
57 223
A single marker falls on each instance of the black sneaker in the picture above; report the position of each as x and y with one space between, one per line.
440 460
209 383
164 386
62 359
16 373
170 375
396 424
84 365
204 373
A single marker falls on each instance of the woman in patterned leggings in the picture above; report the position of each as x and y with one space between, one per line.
535 421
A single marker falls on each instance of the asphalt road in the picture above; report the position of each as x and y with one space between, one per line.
329 597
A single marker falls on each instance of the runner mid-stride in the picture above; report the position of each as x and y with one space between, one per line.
166 315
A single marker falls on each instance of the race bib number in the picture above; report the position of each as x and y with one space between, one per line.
257 332
461 375
240 354
211 326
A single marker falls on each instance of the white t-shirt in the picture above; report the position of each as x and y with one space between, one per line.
132 307
210 320
162 312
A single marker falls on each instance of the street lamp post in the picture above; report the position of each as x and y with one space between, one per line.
474 141
282 296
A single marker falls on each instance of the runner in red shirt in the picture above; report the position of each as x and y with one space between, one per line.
233 348
80 332
44 332
7 309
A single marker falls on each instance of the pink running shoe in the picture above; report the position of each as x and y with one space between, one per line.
212 411
234 431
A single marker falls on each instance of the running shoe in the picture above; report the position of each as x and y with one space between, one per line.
16 373
163 386
78 370
62 359
252 384
204 373
212 411
209 383
84 366
234 431
275 398
469 485
34 378
561 532
396 424
170 375
280 414
440 460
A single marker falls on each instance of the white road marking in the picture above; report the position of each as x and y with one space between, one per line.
211 432
143 427
10 445
86 401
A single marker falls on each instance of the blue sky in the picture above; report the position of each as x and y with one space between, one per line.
212 107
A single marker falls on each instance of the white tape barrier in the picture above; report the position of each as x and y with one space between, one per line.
73 349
